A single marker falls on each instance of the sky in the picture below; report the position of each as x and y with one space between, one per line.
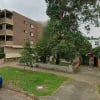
36 10
94 31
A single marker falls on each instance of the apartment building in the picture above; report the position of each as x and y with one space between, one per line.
14 30
95 42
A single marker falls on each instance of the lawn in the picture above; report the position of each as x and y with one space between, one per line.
99 88
37 83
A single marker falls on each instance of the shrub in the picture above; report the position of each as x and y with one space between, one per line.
2 55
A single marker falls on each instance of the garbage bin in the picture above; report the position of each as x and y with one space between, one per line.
1 81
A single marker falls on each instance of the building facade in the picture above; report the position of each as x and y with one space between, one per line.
94 42
14 30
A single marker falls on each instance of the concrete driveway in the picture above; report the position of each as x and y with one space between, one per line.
6 94
74 90
83 87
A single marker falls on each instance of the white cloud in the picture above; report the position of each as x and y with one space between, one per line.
94 31
34 9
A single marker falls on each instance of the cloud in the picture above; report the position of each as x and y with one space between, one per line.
34 9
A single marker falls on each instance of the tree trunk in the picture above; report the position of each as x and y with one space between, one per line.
58 59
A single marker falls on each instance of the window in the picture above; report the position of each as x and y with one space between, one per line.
31 34
25 31
31 42
25 22
96 42
31 26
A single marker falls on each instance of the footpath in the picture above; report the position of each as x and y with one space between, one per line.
84 85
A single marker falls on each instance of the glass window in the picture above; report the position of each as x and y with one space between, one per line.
31 26
25 22
25 31
31 34
96 42
31 42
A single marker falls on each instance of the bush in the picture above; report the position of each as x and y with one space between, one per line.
2 55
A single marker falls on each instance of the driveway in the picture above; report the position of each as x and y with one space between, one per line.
83 87
74 90
6 94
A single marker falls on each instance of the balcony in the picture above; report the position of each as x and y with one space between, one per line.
6 43
6 32
9 42
9 32
6 20
2 43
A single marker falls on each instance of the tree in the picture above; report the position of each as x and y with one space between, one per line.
65 51
74 12
96 51
27 57
82 44
44 45
69 15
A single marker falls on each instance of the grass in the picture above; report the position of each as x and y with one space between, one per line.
29 81
99 88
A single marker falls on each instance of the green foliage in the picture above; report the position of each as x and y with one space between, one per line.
62 35
29 81
82 44
99 88
2 55
66 51
75 12
85 47
26 53
96 51
45 44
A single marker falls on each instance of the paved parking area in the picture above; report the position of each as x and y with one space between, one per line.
6 94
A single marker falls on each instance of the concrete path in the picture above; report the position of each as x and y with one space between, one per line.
74 90
6 94
83 87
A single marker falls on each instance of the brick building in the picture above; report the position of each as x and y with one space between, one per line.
14 30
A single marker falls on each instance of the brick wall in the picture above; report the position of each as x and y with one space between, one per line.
22 28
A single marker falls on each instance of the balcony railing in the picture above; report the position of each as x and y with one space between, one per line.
6 32
2 43
6 42
6 20
9 42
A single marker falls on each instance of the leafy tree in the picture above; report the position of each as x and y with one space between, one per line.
96 51
45 44
62 35
69 15
74 12
82 44
27 54
63 50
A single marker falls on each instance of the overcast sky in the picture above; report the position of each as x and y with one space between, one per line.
36 10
